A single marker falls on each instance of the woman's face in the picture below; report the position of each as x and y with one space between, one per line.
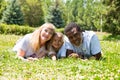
57 41
74 37
46 34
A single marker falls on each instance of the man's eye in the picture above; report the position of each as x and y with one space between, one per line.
71 37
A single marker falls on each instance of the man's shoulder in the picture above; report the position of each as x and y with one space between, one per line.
87 35
88 32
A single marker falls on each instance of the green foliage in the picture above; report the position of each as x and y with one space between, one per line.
60 30
13 14
33 12
20 30
3 5
15 29
100 15
46 4
62 69
55 16
81 12
113 17
112 38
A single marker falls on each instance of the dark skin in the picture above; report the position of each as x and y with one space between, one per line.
97 56
70 53
76 39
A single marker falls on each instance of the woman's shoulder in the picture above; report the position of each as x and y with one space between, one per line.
28 35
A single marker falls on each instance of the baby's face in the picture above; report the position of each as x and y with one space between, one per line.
57 41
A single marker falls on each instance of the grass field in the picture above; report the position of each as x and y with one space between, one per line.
64 69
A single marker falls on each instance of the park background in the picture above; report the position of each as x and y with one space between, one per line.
19 17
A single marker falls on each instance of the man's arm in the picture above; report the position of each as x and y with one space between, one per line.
98 56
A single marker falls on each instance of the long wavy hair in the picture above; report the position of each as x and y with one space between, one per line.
35 40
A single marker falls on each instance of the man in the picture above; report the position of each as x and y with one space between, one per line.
82 44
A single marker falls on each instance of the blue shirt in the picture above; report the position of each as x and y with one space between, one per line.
90 45
63 49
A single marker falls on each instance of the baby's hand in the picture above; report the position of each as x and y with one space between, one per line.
54 58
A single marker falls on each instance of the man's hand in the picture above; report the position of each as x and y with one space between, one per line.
74 55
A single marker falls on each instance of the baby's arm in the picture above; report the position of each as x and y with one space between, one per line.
53 57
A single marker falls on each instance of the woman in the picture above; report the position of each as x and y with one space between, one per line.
33 46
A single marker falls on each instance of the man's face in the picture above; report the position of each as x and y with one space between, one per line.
74 36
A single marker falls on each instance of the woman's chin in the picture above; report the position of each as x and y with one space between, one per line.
44 39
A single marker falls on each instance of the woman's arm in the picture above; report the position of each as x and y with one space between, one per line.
21 54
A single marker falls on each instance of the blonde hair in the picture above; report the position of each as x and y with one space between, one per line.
35 39
51 40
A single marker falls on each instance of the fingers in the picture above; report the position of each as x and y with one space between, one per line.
74 55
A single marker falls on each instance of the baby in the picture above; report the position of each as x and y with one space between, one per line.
55 45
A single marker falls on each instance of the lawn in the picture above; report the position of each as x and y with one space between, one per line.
108 68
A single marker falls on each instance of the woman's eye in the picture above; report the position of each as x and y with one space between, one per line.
45 30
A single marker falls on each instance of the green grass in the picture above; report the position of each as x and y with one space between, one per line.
64 69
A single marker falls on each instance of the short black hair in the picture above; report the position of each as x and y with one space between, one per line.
71 26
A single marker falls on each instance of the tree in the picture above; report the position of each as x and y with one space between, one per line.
55 15
99 14
3 5
33 12
13 14
113 17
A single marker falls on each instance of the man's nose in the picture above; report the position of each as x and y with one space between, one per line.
74 38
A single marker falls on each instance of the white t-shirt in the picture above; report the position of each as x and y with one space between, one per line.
89 47
24 44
